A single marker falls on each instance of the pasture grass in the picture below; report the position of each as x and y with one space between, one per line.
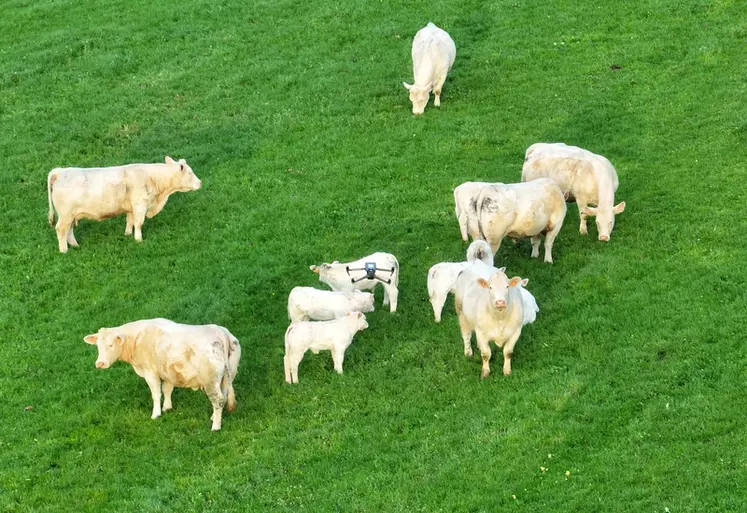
628 393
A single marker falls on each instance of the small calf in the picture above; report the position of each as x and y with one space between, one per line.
334 336
164 352
442 277
307 303
340 277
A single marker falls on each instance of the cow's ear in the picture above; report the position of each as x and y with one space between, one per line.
314 268
524 282
348 314
514 281
619 208
169 160
335 262
119 340
481 282
407 86
502 270
91 339
589 211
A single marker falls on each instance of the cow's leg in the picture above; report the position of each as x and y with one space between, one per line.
536 246
217 400
154 383
167 389
463 223
138 218
581 202
466 334
484 345
71 238
130 223
437 91
287 368
338 355
437 301
386 296
508 351
391 293
549 239
63 227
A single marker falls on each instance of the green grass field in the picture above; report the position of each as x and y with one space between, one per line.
628 392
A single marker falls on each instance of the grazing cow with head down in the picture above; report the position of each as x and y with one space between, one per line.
137 190
433 54
521 210
588 178
174 355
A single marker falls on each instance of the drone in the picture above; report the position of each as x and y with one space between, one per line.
371 270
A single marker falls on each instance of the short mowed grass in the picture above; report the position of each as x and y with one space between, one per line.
628 392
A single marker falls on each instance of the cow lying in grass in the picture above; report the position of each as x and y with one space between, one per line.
307 303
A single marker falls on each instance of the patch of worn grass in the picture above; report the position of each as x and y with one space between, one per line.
628 390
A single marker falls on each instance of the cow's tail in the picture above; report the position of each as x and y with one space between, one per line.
396 273
233 355
51 178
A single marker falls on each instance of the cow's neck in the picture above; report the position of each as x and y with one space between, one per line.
128 349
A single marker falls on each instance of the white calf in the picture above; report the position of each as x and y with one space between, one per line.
334 336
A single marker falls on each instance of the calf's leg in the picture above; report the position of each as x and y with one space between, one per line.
536 246
484 344
391 294
338 355
466 334
138 218
63 226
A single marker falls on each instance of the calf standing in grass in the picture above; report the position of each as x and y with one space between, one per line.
442 277
181 355
340 277
491 307
307 303
588 178
522 210
334 336
137 190
433 54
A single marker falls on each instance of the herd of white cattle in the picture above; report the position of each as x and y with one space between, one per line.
488 303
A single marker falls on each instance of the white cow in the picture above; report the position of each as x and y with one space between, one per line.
521 210
442 277
307 303
588 178
334 336
433 54
492 308
465 207
340 277
181 355
137 190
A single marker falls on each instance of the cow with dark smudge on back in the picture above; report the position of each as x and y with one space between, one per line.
169 354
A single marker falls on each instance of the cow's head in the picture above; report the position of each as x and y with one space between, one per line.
418 96
363 301
497 286
605 219
110 343
184 180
